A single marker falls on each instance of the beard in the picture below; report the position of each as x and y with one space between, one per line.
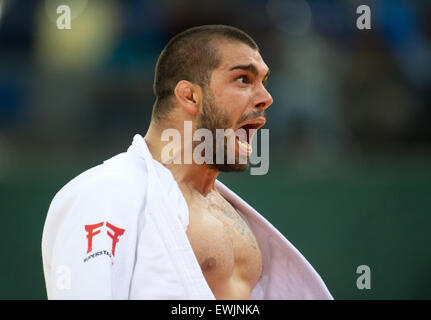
212 118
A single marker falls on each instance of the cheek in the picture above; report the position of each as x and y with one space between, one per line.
234 101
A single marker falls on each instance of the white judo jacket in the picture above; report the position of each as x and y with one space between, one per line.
118 231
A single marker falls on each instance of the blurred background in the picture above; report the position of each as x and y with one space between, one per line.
349 181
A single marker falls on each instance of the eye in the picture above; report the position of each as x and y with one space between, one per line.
243 79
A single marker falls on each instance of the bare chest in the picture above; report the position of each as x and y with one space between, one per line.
224 245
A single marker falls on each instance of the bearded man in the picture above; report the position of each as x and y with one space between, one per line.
154 222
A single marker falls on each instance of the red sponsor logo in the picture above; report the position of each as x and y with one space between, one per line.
95 229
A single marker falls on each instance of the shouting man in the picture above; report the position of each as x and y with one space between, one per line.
154 222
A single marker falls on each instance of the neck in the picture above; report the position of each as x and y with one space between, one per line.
192 177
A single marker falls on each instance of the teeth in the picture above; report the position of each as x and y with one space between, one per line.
244 144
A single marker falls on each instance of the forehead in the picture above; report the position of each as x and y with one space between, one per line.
236 53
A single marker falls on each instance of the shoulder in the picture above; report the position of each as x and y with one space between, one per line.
115 174
116 187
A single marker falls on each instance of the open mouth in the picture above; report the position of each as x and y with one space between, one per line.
245 133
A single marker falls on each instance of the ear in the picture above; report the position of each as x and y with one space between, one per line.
188 96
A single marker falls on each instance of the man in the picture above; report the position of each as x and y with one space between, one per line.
151 223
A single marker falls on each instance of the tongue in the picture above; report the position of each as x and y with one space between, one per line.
241 134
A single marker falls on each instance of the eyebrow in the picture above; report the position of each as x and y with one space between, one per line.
249 67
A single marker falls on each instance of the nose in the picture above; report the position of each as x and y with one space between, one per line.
264 99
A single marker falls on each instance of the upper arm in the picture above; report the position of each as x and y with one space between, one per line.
92 244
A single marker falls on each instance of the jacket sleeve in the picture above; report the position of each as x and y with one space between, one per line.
89 241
